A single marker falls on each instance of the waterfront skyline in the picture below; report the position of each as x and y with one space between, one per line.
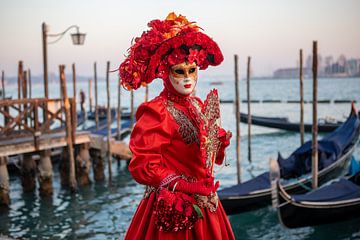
271 34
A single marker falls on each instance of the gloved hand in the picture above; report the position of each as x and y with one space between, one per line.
202 187
224 137
209 182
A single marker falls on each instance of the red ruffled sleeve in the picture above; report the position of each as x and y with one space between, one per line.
151 134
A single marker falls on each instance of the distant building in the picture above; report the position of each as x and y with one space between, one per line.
291 73
353 67
327 67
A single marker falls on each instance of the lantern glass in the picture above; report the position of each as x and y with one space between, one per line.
78 38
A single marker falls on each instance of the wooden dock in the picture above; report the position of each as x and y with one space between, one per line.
30 127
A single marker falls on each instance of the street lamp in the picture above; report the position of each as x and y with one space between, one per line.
77 39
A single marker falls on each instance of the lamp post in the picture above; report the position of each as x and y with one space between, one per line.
77 39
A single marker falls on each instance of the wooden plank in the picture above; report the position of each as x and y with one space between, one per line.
48 141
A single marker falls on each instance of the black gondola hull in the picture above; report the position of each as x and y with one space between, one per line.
284 124
295 215
245 203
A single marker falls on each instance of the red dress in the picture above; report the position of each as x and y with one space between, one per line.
164 142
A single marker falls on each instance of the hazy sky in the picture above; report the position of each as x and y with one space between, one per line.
271 32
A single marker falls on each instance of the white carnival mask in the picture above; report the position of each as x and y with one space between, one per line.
183 77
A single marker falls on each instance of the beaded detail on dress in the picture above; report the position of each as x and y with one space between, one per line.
187 130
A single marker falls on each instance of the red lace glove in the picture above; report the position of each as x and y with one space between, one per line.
224 137
203 187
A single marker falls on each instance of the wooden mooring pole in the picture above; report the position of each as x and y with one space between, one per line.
69 140
146 93
30 84
108 121
118 116
314 154
302 127
237 119
249 108
74 94
24 85
24 93
3 83
20 78
96 98
131 109
30 96
90 94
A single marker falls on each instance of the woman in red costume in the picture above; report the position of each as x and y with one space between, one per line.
177 138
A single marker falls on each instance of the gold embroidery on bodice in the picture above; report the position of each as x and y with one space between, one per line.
187 130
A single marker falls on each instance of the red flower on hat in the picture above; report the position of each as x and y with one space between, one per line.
177 56
196 56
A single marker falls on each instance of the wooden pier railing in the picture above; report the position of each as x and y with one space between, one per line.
25 118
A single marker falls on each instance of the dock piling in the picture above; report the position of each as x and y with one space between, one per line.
64 168
98 164
4 183
45 173
83 162
28 172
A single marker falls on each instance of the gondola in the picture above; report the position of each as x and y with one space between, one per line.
338 201
103 114
335 152
285 124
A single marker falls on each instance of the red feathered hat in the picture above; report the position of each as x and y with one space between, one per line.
168 42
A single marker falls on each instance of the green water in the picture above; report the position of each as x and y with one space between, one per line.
102 212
